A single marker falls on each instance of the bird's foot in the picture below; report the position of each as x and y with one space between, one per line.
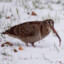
33 45
26 44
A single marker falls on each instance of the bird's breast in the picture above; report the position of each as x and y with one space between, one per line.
45 31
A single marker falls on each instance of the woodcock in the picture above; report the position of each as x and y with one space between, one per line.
32 31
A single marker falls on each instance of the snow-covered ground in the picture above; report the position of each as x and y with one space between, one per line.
45 52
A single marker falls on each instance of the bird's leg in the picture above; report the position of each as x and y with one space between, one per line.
26 44
33 44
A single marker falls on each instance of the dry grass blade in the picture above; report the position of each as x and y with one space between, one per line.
47 59
17 13
56 47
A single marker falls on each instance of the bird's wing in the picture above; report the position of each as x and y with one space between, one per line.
28 29
25 29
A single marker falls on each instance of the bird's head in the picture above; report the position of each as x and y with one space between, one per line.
50 24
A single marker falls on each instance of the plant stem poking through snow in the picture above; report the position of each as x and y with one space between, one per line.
56 47
47 59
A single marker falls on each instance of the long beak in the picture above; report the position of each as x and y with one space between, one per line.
56 35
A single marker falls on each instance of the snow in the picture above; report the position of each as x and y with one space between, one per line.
45 52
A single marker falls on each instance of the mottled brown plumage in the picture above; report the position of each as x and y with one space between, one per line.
30 32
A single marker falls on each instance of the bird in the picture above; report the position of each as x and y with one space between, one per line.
32 31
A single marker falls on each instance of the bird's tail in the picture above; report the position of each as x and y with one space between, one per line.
3 33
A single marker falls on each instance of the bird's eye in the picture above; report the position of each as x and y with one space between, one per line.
48 22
